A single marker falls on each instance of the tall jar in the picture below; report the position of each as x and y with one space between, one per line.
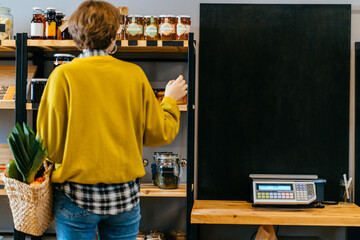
6 23
134 27
37 24
168 171
151 24
167 27
51 24
183 27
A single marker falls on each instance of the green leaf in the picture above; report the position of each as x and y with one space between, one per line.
27 150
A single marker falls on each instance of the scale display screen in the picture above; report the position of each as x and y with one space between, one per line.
274 187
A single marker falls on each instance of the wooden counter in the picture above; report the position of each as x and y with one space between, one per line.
240 212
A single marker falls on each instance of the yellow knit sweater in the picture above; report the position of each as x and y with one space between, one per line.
96 114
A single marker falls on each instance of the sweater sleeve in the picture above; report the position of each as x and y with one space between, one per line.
162 121
52 116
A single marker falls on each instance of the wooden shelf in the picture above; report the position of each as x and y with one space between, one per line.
35 106
123 45
149 190
8 74
240 212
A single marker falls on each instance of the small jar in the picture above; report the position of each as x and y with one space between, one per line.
37 89
151 24
134 27
6 23
37 24
59 21
120 35
51 24
64 29
183 27
155 234
167 27
168 171
62 58
177 235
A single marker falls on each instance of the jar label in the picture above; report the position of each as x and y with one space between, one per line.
151 30
2 28
50 29
134 29
167 28
37 29
181 29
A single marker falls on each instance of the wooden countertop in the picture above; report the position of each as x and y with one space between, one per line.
241 212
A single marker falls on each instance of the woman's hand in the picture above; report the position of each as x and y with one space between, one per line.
176 89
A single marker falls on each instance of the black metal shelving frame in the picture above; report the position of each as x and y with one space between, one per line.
39 58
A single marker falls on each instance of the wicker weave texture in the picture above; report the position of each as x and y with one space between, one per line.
31 207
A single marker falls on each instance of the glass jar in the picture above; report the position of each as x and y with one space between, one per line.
151 24
64 29
59 21
37 89
155 234
177 235
168 171
62 58
154 165
6 24
134 27
183 27
37 24
50 24
120 35
167 27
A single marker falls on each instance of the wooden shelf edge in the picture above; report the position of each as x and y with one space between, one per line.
242 213
7 104
149 190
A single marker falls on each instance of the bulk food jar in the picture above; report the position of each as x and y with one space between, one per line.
167 27
6 23
151 24
134 27
154 165
168 170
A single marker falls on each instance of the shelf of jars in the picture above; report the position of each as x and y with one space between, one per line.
179 46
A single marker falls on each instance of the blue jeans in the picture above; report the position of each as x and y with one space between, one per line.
75 223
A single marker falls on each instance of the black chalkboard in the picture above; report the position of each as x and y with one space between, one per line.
273 95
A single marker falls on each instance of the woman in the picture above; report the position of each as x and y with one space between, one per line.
95 115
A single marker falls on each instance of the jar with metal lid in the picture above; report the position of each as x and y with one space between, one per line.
183 27
37 24
64 29
154 165
167 27
151 24
177 235
156 234
61 58
37 89
169 170
51 24
6 23
134 27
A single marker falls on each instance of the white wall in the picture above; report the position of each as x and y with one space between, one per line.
22 12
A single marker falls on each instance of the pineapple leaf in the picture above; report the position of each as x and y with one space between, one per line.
27 150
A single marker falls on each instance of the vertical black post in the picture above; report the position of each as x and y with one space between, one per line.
354 233
21 77
190 135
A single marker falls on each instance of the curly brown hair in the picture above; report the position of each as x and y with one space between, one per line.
94 24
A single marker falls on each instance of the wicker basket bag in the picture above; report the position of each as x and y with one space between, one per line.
31 207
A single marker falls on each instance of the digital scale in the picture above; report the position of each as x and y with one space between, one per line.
286 189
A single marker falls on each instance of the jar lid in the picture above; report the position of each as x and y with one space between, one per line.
149 16
171 16
37 9
59 12
135 16
183 16
168 156
39 80
4 9
64 55
51 9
